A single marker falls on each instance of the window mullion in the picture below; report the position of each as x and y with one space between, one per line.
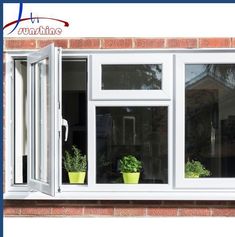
91 145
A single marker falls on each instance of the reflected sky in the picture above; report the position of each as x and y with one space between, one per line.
193 70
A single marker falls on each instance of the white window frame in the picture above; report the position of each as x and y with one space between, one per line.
181 61
165 60
53 55
79 192
18 103
9 125
92 185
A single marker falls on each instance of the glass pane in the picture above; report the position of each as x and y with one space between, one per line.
132 77
20 122
74 108
138 131
42 121
210 120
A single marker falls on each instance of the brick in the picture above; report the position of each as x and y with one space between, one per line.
181 43
117 43
214 42
136 211
73 211
11 211
114 203
57 211
194 212
210 203
153 211
85 43
149 203
35 211
178 203
223 212
14 203
233 42
231 203
20 44
149 43
98 211
83 202
49 203
58 43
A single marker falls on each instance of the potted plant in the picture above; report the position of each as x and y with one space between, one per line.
194 169
76 165
130 168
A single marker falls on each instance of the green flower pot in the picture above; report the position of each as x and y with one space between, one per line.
131 178
191 175
77 177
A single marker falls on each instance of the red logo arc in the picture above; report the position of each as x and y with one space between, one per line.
66 24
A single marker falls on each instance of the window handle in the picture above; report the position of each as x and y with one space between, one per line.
65 123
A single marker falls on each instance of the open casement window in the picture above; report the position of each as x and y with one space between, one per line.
205 120
136 76
44 82
167 109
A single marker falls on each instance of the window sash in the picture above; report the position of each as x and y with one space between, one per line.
166 60
9 153
92 185
54 117
181 61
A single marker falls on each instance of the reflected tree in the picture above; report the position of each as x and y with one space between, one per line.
132 77
224 72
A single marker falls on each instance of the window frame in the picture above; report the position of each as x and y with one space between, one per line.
181 61
125 58
63 192
53 55
8 152
18 167
92 185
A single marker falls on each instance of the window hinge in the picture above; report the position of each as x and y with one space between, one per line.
12 67
12 178
59 189
58 105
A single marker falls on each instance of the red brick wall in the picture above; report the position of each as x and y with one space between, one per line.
119 208
121 43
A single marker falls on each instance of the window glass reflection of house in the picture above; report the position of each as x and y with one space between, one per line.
210 117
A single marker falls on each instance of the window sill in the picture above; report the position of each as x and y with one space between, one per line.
163 195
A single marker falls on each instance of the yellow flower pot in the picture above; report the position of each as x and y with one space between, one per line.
77 177
131 178
190 175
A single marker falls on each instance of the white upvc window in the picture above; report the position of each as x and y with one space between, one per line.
44 118
205 118
156 105
131 76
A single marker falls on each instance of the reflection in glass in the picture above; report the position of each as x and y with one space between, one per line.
132 77
139 131
74 107
210 117
42 121
20 122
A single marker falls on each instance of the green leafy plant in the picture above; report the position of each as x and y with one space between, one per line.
130 164
75 161
195 169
